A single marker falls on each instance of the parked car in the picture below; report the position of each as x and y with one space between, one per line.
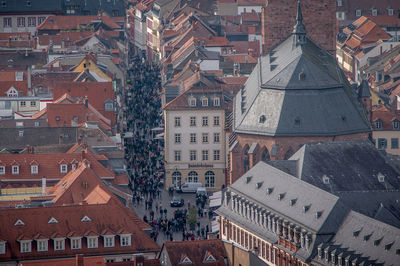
201 191
189 187
177 202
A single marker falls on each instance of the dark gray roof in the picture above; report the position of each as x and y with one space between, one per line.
363 89
350 166
291 188
302 92
367 239
23 59
36 136
16 6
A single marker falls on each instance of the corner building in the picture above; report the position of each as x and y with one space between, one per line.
296 94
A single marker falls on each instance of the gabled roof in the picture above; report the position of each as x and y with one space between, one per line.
199 252
73 22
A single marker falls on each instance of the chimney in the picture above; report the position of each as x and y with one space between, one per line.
86 101
27 149
62 44
381 49
79 260
43 185
29 78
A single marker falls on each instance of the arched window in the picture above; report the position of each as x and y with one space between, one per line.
176 178
210 179
193 177
265 155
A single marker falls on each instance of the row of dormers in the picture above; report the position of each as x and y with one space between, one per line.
42 243
204 101
34 167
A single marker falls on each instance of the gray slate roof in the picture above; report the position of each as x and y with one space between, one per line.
15 6
302 92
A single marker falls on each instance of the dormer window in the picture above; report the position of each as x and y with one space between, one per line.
262 119
42 245
109 241
339 3
15 169
374 11
216 101
76 243
25 246
358 12
192 101
92 242
204 101
34 169
59 243
378 124
390 11
125 240
63 168
2 170
396 124
2 247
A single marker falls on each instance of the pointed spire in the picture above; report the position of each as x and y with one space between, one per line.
363 89
299 29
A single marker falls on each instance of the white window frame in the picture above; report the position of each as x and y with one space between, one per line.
177 121
216 101
177 156
9 22
2 170
22 103
205 137
40 20
92 242
76 242
358 12
59 244
192 155
20 19
2 247
33 104
216 121
15 169
339 3
192 121
217 155
34 169
125 240
63 168
178 138
204 102
193 138
390 11
374 12
217 138
42 245
204 121
20 133
109 241
192 101
25 246
30 19
204 155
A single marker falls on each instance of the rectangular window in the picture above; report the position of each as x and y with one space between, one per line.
177 121
34 169
192 121
216 155
358 12
15 169
396 125
31 22
92 242
109 241
40 20
339 2
216 102
33 104
76 243
20 133
205 121
21 22
374 12
125 241
22 104
19 124
382 143
395 143
204 102
216 120
193 155
42 245
192 102
59 244
2 247
192 138
177 155
216 138
63 168
2 170
205 155
36 124
7 23
390 11
177 138
205 137
26 246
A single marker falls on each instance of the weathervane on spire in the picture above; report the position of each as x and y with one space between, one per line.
299 29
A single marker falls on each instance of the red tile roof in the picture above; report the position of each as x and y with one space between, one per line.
199 252
109 217
251 17
69 37
73 22
20 86
241 58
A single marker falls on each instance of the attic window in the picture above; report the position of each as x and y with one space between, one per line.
378 124
262 119
297 121
358 12
377 242
367 237
326 180
272 67
19 222
216 101
292 202
396 124
52 221
209 258
390 11
248 179
192 101
318 214
306 208
389 246
374 11
86 219
302 76
204 101
281 196
259 184
15 169
343 118
270 190
57 118
63 168
34 169
28 3
381 178
398 251
356 233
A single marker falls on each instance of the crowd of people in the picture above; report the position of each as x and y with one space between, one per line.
143 152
